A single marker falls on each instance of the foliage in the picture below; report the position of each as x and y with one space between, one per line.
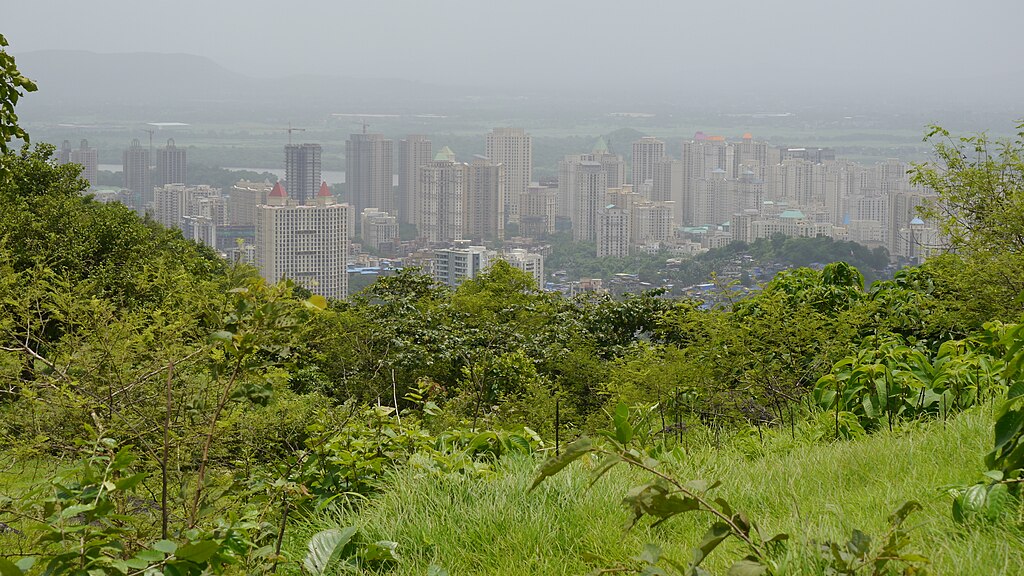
12 83
666 497
340 547
979 208
91 522
857 556
889 378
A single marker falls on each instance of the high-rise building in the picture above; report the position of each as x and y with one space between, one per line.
590 187
302 171
651 222
537 211
136 175
171 164
613 164
413 152
567 169
243 199
485 200
646 152
369 172
64 153
667 185
173 203
89 160
444 187
704 157
513 148
307 243
613 232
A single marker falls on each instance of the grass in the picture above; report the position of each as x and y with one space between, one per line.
813 491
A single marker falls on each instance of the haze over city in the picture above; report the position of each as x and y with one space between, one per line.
940 52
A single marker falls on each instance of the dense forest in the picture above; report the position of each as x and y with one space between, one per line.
164 412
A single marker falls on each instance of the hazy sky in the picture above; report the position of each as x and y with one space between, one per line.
669 44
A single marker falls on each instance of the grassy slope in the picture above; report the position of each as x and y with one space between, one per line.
812 491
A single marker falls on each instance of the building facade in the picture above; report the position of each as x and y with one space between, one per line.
443 185
303 171
513 148
171 164
135 169
369 172
413 152
307 243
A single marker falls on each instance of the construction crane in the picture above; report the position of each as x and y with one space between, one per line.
363 124
290 130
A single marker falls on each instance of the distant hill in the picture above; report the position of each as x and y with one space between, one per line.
147 84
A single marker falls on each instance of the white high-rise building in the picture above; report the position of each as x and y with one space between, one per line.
243 198
442 185
89 159
647 151
306 243
485 200
413 152
175 202
369 172
537 211
513 148
613 232
590 186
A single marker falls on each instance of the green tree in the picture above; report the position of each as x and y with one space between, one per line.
12 84
979 206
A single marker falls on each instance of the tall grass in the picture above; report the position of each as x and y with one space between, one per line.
813 491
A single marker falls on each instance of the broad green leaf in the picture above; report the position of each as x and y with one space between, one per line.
77 509
165 546
520 444
651 553
435 570
859 544
656 499
718 532
221 335
325 547
131 481
1015 391
383 551
8 568
996 475
908 508
623 430
198 552
149 556
554 464
607 464
1007 427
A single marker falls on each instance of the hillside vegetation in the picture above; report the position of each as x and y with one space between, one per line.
164 412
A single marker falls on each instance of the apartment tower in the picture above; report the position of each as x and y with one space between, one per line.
513 148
